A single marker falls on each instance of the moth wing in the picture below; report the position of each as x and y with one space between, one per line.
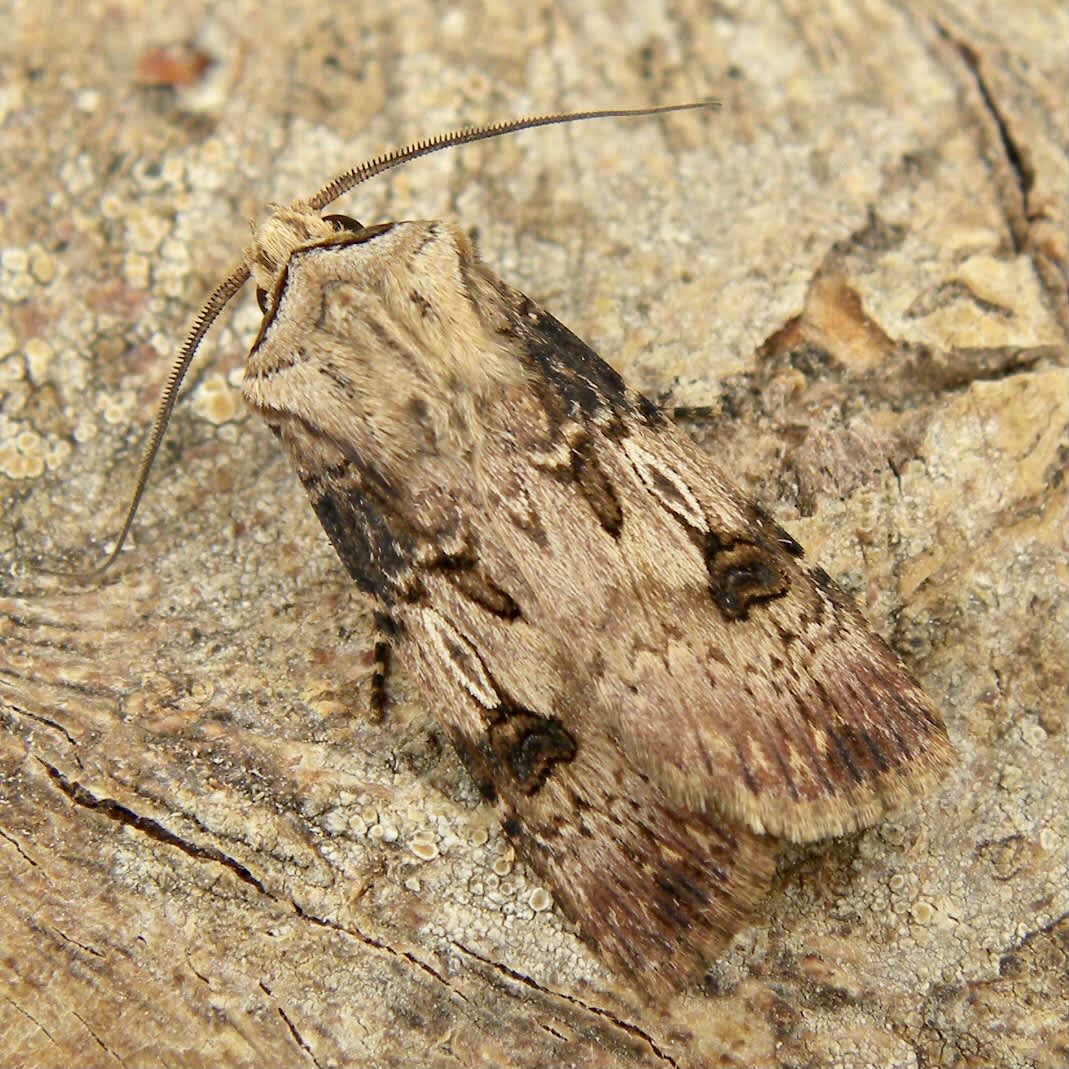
735 675
657 887
758 686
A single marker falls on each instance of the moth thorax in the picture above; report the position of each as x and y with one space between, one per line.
279 236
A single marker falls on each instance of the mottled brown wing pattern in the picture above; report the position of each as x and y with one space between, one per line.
638 666
754 687
657 887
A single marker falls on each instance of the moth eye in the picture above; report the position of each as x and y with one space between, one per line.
261 299
344 222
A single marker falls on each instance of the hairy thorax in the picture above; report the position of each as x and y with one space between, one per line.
409 336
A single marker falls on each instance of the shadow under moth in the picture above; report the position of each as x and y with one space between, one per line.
640 669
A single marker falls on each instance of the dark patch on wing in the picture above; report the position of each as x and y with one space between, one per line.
841 738
773 530
518 752
742 573
596 486
475 763
469 576
824 582
652 414
589 386
527 746
375 556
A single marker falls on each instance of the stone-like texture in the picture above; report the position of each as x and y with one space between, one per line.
208 855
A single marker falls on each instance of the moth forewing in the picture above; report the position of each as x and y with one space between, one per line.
637 665
639 668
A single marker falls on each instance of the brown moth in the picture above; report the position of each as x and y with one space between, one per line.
638 666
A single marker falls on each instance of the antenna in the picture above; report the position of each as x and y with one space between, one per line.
343 183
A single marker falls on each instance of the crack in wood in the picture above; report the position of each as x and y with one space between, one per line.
527 981
377 944
18 848
74 942
48 722
297 1037
30 1017
103 1046
116 811
124 815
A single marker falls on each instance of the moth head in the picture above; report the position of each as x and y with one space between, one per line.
286 230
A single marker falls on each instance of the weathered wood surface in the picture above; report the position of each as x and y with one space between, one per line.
208 856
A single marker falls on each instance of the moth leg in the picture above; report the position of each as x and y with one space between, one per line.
385 630
698 413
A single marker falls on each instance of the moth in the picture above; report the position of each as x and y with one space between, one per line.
640 669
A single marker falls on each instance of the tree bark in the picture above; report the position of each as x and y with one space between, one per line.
854 275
